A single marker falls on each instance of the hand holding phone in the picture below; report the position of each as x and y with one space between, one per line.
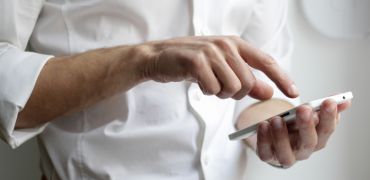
291 114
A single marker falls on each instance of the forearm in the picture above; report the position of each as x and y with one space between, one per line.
72 83
68 84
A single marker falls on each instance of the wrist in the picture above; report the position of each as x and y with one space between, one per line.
143 56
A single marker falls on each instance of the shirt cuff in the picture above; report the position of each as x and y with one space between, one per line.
19 71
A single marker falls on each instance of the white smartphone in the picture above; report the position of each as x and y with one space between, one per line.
291 114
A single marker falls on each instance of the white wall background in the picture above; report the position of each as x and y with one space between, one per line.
322 67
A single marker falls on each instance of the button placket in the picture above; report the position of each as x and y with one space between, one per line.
195 97
198 17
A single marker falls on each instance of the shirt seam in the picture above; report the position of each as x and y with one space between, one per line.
80 137
202 132
66 24
80 148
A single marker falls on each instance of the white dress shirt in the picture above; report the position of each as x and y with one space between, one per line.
165 131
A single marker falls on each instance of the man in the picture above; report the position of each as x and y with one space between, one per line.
144 89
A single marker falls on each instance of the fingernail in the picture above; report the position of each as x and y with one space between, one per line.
303 116
277 122
330 109
293 90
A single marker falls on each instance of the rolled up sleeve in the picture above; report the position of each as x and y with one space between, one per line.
19 69
18 74
268 30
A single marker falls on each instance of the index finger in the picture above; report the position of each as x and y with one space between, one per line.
265 63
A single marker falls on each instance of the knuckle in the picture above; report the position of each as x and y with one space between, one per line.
198 61
223 43
248 85
320 146
208 48
306 124
268 60
264 156
309 145
304 109
197 55
239 95
214 90
232 88
234 37
303 157
222 95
